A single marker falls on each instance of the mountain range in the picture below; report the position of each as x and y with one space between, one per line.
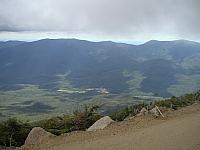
165 68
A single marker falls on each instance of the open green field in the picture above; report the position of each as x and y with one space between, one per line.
32 102
28 101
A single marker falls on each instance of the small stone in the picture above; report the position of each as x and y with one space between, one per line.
154 112
143 112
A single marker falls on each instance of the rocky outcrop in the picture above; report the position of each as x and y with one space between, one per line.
37 136
101 123
143 112
154 112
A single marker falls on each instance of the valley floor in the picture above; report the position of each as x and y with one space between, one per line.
179 130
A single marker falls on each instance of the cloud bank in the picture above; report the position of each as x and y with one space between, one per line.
123 18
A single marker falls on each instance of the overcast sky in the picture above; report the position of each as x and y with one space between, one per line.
125 20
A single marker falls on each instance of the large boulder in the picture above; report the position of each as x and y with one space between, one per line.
37 136
101 123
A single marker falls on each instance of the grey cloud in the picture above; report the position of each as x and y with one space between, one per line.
108 17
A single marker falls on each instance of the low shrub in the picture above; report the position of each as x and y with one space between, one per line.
79 120
178 102
13 132
127 111
173 102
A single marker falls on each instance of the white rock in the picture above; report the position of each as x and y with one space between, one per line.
154 112
143 112
36 136
101 123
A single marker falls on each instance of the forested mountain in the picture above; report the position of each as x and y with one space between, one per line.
162 67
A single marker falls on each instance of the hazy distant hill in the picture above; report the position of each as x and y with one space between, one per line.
166 68
10 43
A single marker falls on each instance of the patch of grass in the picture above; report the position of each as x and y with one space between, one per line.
37 107
23 103
186 84
134 82
192 62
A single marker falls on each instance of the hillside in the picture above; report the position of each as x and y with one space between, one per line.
17 132
179 130
55 76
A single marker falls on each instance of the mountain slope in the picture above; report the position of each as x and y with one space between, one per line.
50 77
10 43
98 64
